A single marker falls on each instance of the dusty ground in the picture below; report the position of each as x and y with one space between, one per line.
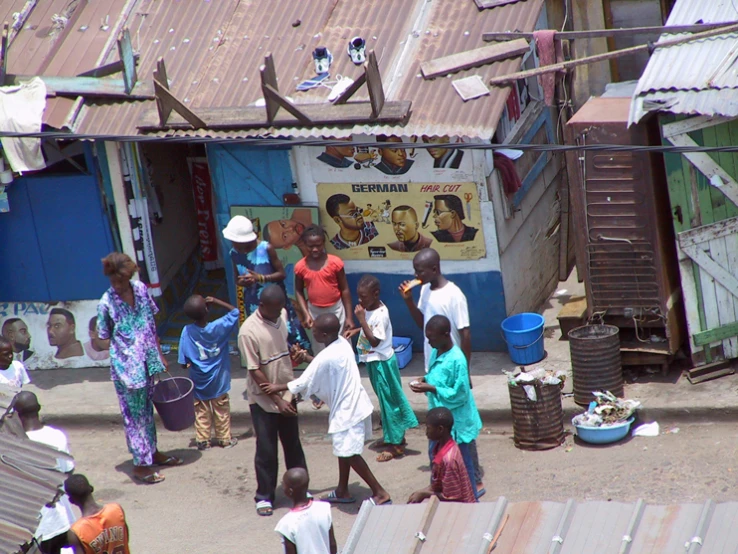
206 505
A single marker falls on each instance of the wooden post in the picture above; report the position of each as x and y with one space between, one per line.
169 102
349 92
374 84
430 511
125 51
160 74
4 54
269 78
276 96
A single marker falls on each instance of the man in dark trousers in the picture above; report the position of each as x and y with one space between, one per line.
262 341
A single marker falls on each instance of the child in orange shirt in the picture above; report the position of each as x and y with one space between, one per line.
322 276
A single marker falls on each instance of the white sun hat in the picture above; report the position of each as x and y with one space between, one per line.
240 229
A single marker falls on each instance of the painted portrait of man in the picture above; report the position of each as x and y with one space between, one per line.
446 158
15 330
394 160
286 233
353 230
96 348
338 156
448 215
406 227
61 331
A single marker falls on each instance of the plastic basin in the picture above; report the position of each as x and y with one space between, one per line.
604 435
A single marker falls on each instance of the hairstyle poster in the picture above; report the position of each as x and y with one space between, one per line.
383 221
50 336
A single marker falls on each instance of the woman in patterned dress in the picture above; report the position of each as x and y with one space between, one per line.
125 315
255 265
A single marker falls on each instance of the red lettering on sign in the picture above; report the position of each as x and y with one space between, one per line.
203 190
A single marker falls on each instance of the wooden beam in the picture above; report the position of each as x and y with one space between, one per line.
170 102
693 124
108 69
349 92
706 233
425 522
374 84
321 115
275 95
713 269
717 334
87 86
160 74
563 66
125 51
4 42
269 78
473 58
604 33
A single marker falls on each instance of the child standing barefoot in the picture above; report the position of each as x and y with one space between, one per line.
323 276
375 349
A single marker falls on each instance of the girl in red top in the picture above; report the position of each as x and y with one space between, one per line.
323 276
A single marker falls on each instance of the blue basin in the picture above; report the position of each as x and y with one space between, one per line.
604 435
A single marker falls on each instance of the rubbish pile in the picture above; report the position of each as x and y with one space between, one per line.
606 410
538 376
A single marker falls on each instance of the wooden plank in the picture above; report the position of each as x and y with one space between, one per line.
716 271
352 113
564 66
604 33
426 522
349 92
696 123
108 69
707 233
717 334
374 84
4 42
473 58
724 297
286 104
487 4
160 74
125 51
88 86
269 77
708 166
170 102
715 373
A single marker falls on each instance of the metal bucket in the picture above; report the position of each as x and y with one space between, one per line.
537 425
595 361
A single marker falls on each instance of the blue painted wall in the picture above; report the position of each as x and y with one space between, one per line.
53 239
483 292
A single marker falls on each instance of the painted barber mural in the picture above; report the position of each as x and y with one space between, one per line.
46 336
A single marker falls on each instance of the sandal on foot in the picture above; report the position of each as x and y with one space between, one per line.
150 479
229 443
374 502
481 491
170 461
332 498
390 454
204 445
264 508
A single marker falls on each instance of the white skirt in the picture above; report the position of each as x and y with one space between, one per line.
351 441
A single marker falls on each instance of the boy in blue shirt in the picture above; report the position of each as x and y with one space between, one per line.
203 348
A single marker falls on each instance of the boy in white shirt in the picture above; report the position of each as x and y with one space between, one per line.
308 527
375 350
333 376
12 372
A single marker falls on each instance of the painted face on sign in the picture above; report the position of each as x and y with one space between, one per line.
17 333
393 156
443 217
60 331
284 233
405 224
436 153
349 216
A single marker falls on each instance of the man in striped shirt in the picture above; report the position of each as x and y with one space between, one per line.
262 341
449 478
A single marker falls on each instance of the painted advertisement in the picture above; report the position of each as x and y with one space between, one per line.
383 162
281 227
203 190
392 221
50 336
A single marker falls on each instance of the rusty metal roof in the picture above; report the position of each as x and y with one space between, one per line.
699 77
544 527
213 51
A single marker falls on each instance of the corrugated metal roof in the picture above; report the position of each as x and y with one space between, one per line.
43 48
536 527
218 66
698 77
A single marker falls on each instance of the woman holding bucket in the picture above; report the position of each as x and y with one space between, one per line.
125 315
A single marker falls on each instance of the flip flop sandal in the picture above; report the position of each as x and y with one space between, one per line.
171 461
150 479
374 502
481 492
264 508
331 498
204 445
229 443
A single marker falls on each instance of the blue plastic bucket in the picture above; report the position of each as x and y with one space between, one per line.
524 337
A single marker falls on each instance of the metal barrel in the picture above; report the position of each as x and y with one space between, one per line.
537 425
595 361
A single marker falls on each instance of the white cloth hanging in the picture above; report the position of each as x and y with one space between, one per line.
22 111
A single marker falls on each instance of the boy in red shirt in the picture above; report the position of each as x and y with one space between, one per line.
449 477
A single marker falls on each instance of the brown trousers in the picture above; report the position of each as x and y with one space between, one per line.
213 413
